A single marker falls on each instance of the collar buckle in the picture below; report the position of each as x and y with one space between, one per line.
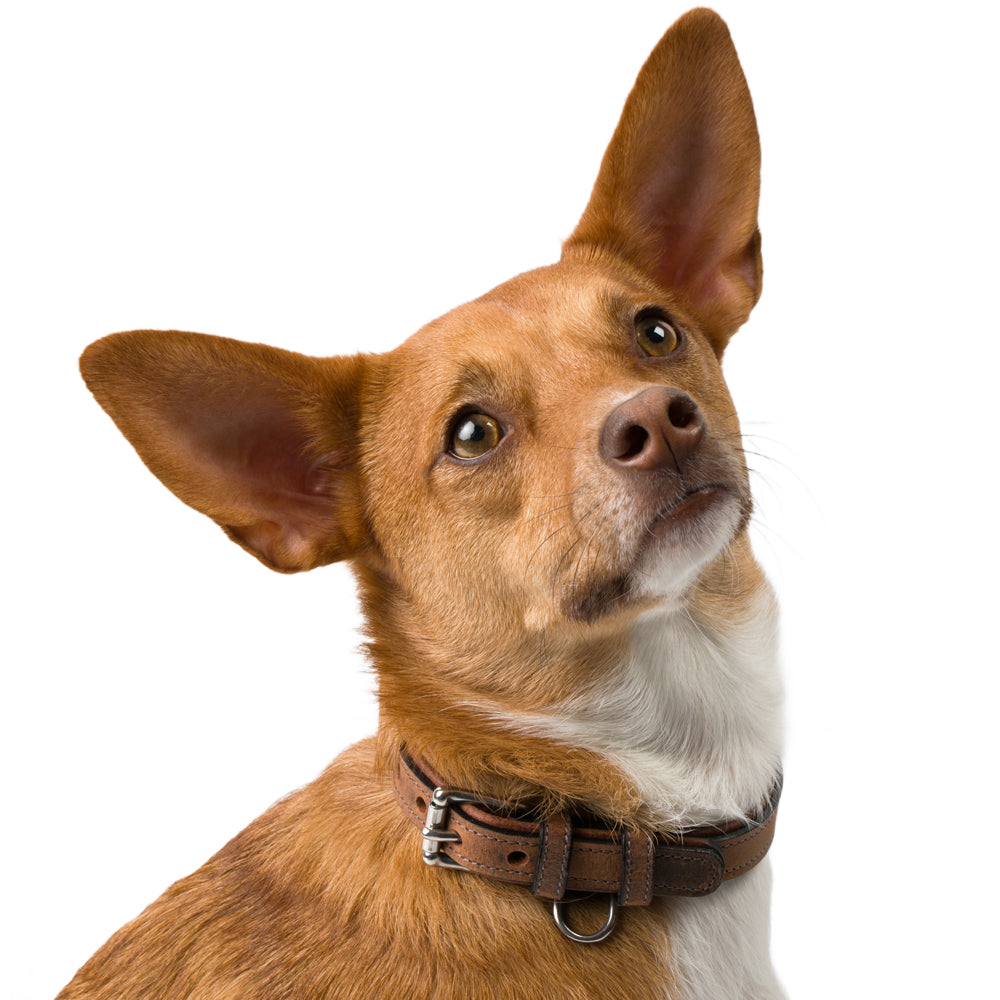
435 832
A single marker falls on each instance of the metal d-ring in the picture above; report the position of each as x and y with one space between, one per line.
557 915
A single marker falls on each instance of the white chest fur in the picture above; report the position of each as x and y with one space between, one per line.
720 944
693 717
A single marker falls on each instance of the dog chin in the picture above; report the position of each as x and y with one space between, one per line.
683 540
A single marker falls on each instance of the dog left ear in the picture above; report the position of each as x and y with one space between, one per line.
261 440
678 187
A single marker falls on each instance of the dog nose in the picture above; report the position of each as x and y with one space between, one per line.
656 428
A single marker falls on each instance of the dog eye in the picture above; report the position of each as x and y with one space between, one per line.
474 435
656 336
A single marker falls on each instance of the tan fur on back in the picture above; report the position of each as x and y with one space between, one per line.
304 894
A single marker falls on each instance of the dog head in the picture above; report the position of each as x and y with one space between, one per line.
550 459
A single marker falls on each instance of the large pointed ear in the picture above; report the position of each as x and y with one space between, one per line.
678 187
261 440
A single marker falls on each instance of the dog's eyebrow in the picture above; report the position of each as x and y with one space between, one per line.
476 380
617 306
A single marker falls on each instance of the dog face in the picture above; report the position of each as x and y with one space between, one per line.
561 450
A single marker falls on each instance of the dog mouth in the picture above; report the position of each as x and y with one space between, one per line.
692 523
697 519
687 506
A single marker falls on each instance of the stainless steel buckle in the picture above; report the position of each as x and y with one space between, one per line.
434 832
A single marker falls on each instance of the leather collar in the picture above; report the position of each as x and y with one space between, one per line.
564 854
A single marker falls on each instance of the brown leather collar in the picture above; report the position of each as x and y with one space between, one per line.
559 855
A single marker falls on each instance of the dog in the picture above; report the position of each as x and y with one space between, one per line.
544 498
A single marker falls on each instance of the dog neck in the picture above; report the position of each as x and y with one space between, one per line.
667 720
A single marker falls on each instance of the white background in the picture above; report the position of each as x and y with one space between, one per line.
327 178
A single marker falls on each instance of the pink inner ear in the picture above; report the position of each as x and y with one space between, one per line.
273 496
251 440
700 230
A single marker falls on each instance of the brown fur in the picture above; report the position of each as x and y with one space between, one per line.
491 586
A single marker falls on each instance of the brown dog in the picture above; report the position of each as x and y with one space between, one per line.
544 497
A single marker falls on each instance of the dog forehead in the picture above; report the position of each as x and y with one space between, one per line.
526 328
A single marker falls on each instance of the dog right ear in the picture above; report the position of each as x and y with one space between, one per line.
263 441
677 191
